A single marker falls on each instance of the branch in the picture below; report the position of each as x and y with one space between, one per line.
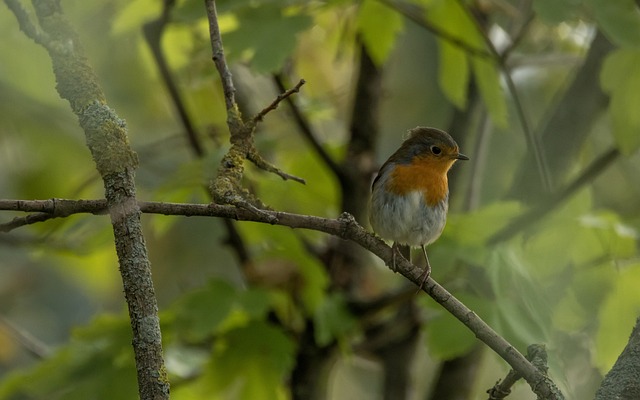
567 123
227 186
537 354
346 228
307 131
33 345
26 25
274 104
621 382
106 137
220 61
153 31
261 163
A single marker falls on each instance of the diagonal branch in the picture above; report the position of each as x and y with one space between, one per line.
153 32
32 344
346 228
274 104
307 131
537 354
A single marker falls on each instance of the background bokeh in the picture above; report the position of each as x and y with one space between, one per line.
241 325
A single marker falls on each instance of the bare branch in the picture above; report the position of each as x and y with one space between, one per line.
32 344
106 137
346 228
26 25
307 131
537 354
261 163
274 104
220 60
153 32
227 186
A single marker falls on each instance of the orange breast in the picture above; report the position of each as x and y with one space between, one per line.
426 175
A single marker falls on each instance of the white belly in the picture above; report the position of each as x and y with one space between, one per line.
406 219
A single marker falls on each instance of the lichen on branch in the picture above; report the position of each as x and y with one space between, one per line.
226 187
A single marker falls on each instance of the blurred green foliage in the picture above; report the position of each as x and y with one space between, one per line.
568 280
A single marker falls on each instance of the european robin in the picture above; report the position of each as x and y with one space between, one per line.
410 195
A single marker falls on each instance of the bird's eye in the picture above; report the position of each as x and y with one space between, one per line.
436 150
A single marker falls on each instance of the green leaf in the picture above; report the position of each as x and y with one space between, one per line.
282 248
332 320
488 78
620 77
447 337
96 364
135 14
265 36
217 308
450 18
619 19
250 362
454 73
555 11
617 316
588 289
379 26
203 311
476 227
524 308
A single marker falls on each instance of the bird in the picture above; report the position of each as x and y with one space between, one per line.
410 194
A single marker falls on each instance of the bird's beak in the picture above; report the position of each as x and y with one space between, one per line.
461 156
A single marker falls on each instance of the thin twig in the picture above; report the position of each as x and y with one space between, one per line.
227 186
537 354
219 58
307 131
261 163
153 32
32 344
517 35
274 104
19 222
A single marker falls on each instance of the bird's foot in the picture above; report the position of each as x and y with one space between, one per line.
395 251
424 276
427 270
